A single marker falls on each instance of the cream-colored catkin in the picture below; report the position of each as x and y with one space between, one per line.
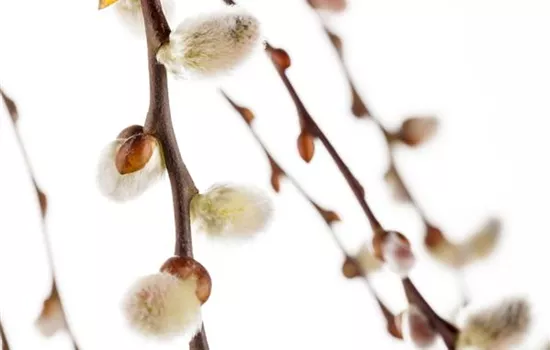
231 210
498 327
210 44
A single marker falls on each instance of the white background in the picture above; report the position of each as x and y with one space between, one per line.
79 78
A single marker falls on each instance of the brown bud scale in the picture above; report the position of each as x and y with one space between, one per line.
185 268
134 153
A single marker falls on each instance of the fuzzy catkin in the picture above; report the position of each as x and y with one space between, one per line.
210 44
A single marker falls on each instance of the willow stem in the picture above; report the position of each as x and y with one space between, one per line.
159 124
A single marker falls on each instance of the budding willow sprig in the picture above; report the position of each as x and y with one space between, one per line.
415 131
52 317
360 265
168 304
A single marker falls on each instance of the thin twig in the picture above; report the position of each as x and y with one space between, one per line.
309 125
329 217
159 124
42 201
281 61
360 110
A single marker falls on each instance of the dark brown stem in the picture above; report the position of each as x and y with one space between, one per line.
281 62
5 344
447 331
159 124
329 217
360 110
41 199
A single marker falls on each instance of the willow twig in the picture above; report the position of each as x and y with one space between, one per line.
360 110
329 217
159 124
42 201
281 61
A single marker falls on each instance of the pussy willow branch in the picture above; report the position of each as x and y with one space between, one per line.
159 124
360 110
42 200
329 217
447 331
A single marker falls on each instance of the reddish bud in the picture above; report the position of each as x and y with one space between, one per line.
42 200
279 57
394 249
306 146
134 153
417 130
416 328
247 115
10 106
276 174
351 268
185 268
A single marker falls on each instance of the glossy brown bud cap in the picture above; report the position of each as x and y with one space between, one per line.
279 57
185 268
306 146
350 268
135 153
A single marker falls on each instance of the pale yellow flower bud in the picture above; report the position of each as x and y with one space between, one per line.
231 210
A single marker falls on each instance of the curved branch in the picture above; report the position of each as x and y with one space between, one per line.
328 216
42 201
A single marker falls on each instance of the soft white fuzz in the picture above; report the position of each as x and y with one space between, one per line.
163 306
120 187
397 254
498 327
129 13
210 44
367 261
416 328
52 318
231 210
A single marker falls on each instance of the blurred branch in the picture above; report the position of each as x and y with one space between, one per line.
360 110
329 217
310 130
42 201
5 344
159 124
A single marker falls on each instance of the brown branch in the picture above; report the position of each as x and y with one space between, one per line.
329 217
360 110
309 125
42 201
281 62
159 124
5 344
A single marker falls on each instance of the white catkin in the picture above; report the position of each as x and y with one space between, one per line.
163 306
210 44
